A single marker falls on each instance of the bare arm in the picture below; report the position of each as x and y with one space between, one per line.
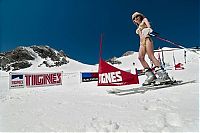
147 30
147 22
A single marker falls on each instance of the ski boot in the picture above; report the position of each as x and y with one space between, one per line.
163 77
150 77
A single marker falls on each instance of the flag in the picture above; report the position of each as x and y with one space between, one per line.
179 66
112 76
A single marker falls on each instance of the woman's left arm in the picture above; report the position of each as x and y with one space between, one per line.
147 30
147 22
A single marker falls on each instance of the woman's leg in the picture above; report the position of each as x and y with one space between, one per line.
141 56
150 75
150 53
162 74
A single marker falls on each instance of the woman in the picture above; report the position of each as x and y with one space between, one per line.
146 47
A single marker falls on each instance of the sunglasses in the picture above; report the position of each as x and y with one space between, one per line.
135 17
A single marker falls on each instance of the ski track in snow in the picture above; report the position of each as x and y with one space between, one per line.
86 107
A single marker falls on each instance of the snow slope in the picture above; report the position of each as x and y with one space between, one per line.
76 106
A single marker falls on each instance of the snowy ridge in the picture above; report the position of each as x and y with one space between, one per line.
37 58
85 107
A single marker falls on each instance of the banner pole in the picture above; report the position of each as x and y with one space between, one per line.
100 46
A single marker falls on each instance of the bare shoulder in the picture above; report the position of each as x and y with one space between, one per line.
145 20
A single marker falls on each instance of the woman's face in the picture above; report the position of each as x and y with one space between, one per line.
137 19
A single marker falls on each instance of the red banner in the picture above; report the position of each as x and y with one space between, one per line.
112 76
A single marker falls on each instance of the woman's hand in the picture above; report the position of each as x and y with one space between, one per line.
146 31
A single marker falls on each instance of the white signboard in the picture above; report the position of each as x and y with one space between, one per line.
19 80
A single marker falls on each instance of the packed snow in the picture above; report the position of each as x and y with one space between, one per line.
85 107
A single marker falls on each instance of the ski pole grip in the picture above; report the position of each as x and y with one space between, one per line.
153 33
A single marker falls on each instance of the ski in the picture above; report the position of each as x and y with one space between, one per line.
143 89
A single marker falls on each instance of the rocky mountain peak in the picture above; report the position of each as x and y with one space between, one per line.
23 57
128 53
113 60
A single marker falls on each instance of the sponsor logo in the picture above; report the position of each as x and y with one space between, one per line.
112 77
17 80
89 76
89 79
43 79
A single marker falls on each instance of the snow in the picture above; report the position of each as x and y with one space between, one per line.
84 107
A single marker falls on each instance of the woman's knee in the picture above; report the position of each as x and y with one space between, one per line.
141 58
151 57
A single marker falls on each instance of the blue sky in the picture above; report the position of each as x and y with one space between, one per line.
75 25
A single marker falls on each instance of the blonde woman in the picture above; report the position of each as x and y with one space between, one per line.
146 47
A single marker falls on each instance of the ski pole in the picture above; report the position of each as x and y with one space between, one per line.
154 34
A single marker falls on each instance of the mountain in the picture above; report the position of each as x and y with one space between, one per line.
34 57
114 60
169 57
23 57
